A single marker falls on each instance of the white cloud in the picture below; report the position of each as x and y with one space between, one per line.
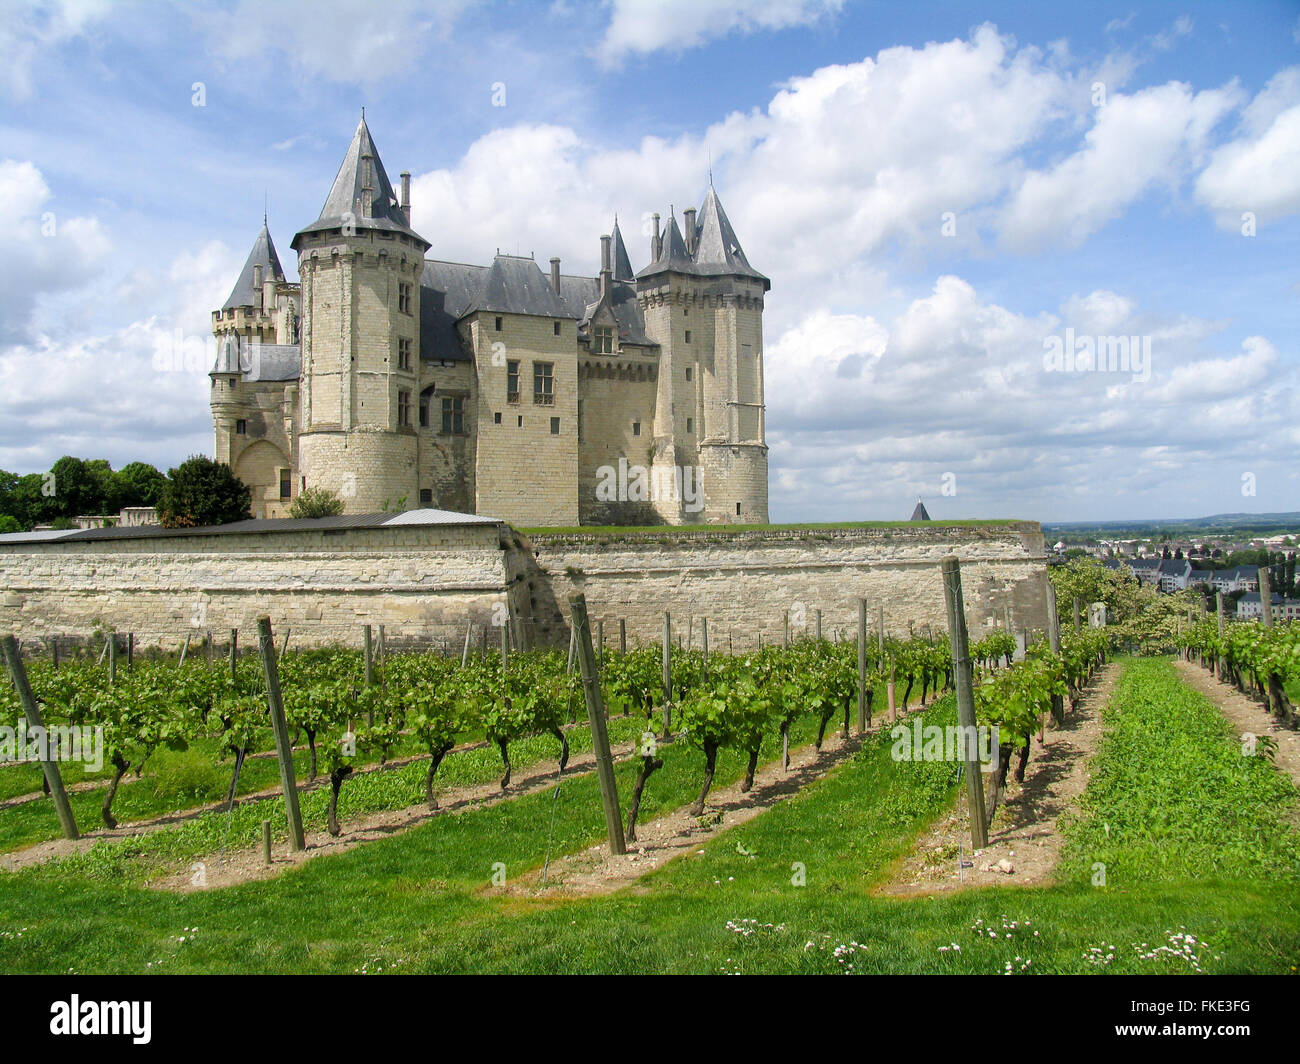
1138 141
30 31
640 27
44 251
1258 171
350 41
956 384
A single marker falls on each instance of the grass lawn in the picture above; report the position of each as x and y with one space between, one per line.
1198 843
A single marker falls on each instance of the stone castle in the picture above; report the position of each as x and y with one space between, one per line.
399 381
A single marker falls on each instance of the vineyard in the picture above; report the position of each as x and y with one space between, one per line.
466 776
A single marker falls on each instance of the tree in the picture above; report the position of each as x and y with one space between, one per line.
9 523
316 502
139 484
1090 581
202 492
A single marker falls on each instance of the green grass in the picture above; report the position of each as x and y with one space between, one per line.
1173 798
415 902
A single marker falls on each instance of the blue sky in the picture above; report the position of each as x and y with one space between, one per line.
936 190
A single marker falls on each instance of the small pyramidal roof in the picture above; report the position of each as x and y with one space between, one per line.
361 194
263 254
920 513
717 250
622 264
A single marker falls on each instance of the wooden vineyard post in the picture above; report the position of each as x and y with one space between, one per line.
600 645
573 649
704 639
284 647
184 649
130 651
596 716
211 649
1275 695
785 631
369 655
234 652
283 749
1219 606
112 657
54 653
963 680
1078 621
464 654
1265 597
381 648
483 640
863 719
622 636
32 711
819 626
668 671
1054 640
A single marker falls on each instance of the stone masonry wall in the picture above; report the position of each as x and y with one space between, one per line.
424 582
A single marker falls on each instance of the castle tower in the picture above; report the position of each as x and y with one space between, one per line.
703 304
360 265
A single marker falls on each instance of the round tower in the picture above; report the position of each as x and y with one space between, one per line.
360 265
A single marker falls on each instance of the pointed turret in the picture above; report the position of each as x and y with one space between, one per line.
920 513
622 264
717 251
673 256
246 291
362 196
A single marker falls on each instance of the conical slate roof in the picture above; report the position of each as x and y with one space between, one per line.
263 254
622 264
673 255
360 198
717 250
920 513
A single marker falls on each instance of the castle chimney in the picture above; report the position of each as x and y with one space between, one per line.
555 274
406 195
656 241
689 216
606 268
257 288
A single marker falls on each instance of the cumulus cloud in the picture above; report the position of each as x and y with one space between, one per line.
44 252
639 27
1137 141
350 41
138 391
1259 170
956 384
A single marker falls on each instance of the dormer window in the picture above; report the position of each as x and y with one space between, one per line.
602 340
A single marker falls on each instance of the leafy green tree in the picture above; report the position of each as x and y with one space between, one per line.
201 492
316 502
139 484
1091 581
9 523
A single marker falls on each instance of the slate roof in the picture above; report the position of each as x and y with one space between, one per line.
717 250
263 254
348 195
257 361
920 513
622 264
512 285
429 517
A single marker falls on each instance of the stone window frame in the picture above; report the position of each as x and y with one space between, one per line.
543 383
241 427
404 298
405 347
403 408
602 339
453 413
512 375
